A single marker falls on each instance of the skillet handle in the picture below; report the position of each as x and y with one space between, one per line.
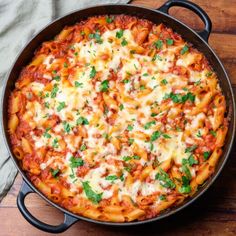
196 9
68 220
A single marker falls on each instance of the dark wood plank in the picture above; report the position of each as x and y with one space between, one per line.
221 12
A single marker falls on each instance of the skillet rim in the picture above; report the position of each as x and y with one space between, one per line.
170 211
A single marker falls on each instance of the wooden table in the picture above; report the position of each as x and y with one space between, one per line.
212 214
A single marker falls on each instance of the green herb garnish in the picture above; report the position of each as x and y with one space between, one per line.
104 86
165 180
92 72
61 106
169 41
119 33
158 44
54 172
78 84
184 50
91 195
76 162
82 121
149 124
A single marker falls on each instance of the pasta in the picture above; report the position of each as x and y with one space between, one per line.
117 119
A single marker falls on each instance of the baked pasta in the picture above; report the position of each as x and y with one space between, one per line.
117 119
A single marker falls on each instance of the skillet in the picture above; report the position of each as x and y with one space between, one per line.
160 15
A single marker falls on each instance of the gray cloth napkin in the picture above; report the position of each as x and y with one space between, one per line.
19 21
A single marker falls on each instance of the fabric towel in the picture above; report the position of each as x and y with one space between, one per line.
19 21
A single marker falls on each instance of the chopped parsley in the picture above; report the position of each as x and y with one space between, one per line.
76 162
125 81
91 195
121 107
169 41
184 50
119 34
142 87
190 149
166 136
164 82
156 56
149 124
165 180
46 134
127 158
136 157
97 37
82 121
186 171
46 104
54 172
185 188
65 65
151 146
130 127
190 161
124 42
212 132
104 86
78 84
199 135
145 74
158 44
61 106
83 147
66 127
109 19
92 72
178 98
111 177
198 82
206 155
54 91
57 78
162 197
55 143
131 141
122 177
155 135
209 73
153 114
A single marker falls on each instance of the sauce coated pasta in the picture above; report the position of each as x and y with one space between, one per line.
117 119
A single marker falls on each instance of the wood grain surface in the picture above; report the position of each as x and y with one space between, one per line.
213 214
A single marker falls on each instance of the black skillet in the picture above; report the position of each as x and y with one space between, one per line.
198 39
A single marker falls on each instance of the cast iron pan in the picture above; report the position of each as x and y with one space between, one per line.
198 39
